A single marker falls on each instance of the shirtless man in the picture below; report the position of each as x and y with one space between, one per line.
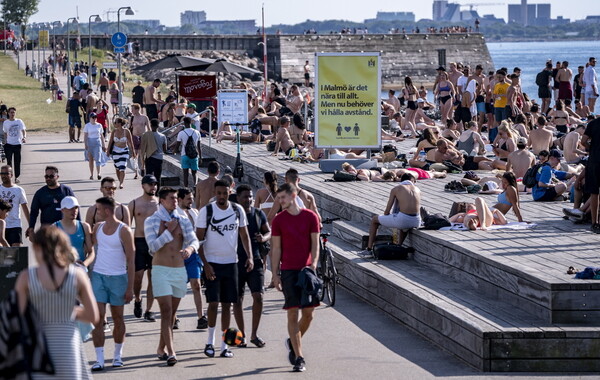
521 159
141 208
401 212
171 240
283 139
481 91
151 100
140 124
108 188
90 102
564 76
295 100
306 74
304 198
205 189
445 152
572 148
540 138
454 74
393 100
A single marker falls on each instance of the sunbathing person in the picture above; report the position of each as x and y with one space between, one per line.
508 195
368 175
470 141
479 215
283 140
225 132
426 144
417 173
503 145
571 145
541 137
521 159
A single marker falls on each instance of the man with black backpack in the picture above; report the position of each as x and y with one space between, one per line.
219 225
260 234
189 142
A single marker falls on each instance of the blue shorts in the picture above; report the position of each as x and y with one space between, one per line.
189 163
193 266
480 107
109 289
74 121
168 281
500 114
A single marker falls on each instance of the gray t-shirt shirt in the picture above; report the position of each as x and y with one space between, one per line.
160 141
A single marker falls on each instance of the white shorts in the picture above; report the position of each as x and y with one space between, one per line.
589 94
400 220
168 281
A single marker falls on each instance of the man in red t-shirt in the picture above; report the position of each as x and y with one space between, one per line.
294 245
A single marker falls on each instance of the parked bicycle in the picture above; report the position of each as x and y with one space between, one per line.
326 269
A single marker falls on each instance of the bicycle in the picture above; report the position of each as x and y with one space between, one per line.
326 269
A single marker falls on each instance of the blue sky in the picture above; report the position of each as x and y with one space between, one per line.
283 12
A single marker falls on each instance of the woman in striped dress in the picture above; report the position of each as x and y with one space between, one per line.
119 146
53 289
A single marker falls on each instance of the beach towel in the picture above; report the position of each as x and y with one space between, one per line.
509 226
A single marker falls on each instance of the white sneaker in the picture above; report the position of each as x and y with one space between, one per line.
366 254
574 212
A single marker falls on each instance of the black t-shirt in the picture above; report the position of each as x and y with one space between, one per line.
138 94
576 80
593 132
112 75
74 105
253 228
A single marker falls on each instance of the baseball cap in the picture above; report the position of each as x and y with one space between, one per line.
149 178
191 105
555 153
93 114
69 202
522 140
420 100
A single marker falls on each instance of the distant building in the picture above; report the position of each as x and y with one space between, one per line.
192 17
395 16
451 12
491 19
147 23
439 9
531 14
229 26
591 19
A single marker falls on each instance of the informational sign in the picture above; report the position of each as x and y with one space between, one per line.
109 65
197 86
119 39
347 109
120 50
232 106
44 39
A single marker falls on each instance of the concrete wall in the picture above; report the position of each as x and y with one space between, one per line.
415 55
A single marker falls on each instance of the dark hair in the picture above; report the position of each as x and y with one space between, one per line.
408 81
12 108
520 118
241 188
291 175
541 120
450 122
187 121
559 105
535 108
567 102
406 176
429 136
164 191
271 180
544 153
53 168
183 191
213 167
512 180
287 188
108 202
5 206
121 121
222 183
227 178
154 123
298 120
106 179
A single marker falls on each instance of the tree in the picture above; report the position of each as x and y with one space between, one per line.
19 11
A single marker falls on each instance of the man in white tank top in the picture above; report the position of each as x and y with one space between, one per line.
112 277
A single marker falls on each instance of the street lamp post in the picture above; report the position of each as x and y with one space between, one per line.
97 18
129 12
54 23
4 20
69 57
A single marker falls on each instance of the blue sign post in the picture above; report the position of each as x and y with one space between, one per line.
119 40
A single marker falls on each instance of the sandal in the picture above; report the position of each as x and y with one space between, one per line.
226 354
97 367
164 356
117 363
92 177
243 343
171 361
258 342
209 350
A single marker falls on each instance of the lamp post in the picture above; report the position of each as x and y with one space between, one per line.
74 19
4 20
54 24
128 12
97 18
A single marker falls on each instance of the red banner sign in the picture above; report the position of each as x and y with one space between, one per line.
197 86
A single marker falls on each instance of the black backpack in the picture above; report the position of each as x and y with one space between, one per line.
540 79
529 179
342 176
191 151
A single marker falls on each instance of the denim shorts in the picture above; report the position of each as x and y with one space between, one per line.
109 289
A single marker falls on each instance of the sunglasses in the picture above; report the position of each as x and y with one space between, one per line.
4 173
49 176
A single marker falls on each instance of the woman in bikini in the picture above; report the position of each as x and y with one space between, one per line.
366 174
298 131
560 118
508 197
443 92
120 146
451 132
479 215
427 144
503 145
410 93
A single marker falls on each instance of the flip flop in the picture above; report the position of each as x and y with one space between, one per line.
171 361
164 356
258 342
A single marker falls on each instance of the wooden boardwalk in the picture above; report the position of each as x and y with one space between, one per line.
500 300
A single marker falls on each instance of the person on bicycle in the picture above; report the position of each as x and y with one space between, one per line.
259 231
294 246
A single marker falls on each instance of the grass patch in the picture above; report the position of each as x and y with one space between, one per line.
25 94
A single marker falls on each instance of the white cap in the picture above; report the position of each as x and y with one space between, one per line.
69 202
491 185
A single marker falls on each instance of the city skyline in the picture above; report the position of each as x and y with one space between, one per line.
277 12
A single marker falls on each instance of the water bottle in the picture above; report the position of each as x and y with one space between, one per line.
422 155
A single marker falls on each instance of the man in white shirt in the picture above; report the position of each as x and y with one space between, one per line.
15 195
590 79
190 112
189 156
14 136
219 225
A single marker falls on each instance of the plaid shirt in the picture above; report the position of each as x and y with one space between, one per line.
156 241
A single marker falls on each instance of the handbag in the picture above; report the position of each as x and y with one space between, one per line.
390 251
132 164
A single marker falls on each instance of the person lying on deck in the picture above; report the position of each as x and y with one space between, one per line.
479 215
